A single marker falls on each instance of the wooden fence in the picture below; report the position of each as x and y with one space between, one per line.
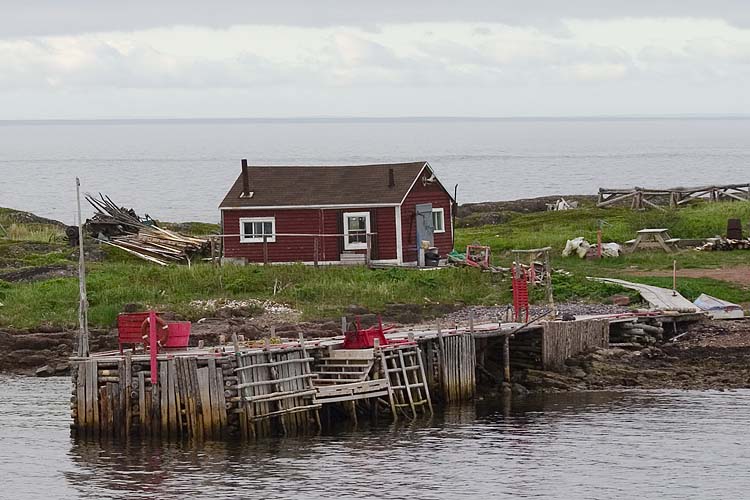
641 198
563 339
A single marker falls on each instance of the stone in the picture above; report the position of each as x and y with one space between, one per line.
576 372
45 371
519 390
620 300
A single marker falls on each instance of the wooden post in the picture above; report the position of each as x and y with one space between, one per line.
506 358
674 278
316 250
368 239
153 346
265 250
83 307
343 325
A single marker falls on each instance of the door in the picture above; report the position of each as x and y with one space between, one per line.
425 227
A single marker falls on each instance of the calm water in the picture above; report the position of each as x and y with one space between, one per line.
181 171
599 445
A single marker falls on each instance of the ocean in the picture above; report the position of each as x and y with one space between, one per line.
180 170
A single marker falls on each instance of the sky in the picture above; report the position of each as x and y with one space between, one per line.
93 59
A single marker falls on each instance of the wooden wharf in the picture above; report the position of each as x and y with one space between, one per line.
253 389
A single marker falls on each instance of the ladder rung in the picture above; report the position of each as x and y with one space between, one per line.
409 386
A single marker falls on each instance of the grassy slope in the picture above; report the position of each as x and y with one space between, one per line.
325 292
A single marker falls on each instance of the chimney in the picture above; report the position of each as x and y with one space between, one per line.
391 178
245 180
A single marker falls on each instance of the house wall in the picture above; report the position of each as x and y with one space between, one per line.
430 193
307 221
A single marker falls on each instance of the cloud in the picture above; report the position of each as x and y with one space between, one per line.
52 17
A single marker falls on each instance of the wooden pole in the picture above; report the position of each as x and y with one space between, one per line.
153 346
265 249
83 307
506 358
674 278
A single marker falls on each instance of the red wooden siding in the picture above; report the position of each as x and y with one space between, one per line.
306 221
420 193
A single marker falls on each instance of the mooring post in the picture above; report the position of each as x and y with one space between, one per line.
343 325
153 346
506 358
83 307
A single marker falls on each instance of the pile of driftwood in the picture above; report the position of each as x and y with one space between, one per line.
122 228
724 244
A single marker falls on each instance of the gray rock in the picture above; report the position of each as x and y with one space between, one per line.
45 371
519 390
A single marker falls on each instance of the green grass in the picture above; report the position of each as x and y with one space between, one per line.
325 292
318 293
555 228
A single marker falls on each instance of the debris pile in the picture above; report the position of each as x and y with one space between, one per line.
122 228
724 244
584 249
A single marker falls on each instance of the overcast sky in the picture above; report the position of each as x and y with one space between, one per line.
183 59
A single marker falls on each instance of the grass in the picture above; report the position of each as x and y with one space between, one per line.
326 292
318 293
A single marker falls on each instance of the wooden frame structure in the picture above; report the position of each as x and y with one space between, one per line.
641 198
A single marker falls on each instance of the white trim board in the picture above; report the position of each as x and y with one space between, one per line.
285 207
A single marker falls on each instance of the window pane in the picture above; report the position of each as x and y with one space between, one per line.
437 220
267 228
357 224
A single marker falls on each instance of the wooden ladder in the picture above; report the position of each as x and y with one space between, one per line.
404 371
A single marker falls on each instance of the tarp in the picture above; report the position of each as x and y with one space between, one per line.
719 309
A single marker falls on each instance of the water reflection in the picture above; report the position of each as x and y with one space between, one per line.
585 445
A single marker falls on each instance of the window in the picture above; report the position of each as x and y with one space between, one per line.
253 229
356 227
438 220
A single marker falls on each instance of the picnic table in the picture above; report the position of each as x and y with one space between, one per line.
653 237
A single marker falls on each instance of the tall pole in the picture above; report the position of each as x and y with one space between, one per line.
83 307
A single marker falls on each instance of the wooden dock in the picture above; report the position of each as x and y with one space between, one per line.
246 390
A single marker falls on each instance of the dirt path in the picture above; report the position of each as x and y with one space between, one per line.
734 274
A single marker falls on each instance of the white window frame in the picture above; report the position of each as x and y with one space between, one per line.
358 245
440 211
246 239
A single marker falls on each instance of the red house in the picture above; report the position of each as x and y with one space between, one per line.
336 214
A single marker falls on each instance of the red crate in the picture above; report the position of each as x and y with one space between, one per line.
129 328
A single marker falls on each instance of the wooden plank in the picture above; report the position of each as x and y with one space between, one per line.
128 392
164 394
214 390
204 391
94 393
175 412
195 395
142 403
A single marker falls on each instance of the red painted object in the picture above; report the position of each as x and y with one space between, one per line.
179 334
129 330
365 338
521 297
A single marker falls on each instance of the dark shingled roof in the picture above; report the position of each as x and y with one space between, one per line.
323 185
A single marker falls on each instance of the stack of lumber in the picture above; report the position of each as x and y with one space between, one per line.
122 228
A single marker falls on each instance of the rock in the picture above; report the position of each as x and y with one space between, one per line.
576 372
355 309
519 390
45 371
62 368
620 300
